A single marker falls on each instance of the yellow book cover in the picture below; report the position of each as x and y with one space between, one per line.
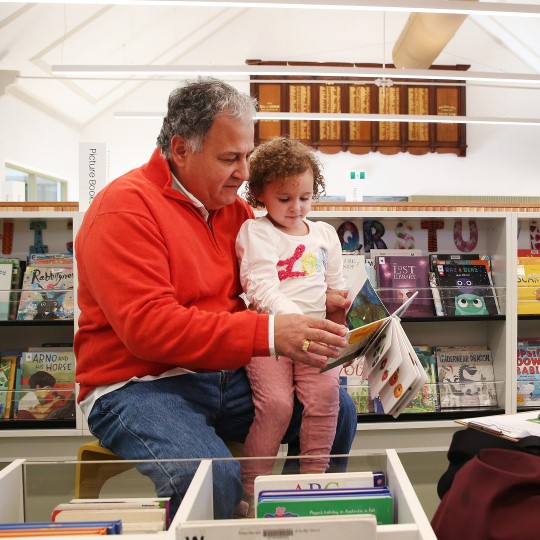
528 280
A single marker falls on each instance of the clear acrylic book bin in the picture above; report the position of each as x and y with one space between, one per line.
29 491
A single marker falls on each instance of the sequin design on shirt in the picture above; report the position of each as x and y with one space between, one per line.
309 262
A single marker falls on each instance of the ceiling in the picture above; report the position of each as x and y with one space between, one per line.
33 37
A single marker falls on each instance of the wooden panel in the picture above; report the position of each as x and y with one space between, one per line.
389 101
318 94
269 96
329 102
300 101
418 104
447 105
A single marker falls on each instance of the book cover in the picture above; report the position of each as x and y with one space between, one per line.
112 527
8 372
466 377
47 385
47 294
528 286
365 316
6 279
528 253
359 526
325 481
398 277
133 519
427 400
51 259
450 258
352 263
466 290
528 373
16 283
437 302
350 377
306 503
120 503
392 369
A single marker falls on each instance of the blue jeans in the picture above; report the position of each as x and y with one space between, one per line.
189 416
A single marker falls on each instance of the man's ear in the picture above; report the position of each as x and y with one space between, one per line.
179 150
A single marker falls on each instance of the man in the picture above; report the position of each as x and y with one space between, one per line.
163 332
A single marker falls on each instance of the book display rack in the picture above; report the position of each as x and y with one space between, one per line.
495 231
32 490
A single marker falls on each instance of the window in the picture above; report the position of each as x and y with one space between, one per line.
37 186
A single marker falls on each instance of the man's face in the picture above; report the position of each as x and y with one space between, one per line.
215 174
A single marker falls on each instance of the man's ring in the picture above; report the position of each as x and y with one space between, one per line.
305 345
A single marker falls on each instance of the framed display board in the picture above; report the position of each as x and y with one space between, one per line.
363 96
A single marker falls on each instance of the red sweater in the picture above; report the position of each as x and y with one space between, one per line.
158 287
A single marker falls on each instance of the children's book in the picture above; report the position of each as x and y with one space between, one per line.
466 290
350 377
466 377
451 258
118 503
47 293
30 527
325 481
528 373
350 527
427 400
528 253
528 286
327 502
16 283
6 281
51 259
133 519
352 263
391 366
398 277
47 384
8 372
376 252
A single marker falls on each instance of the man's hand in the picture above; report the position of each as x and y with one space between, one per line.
325 338
336 305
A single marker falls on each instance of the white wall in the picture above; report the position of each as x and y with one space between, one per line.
32 139
501 160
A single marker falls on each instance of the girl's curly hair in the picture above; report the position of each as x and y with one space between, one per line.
281 158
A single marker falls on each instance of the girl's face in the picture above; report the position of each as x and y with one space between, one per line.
288 201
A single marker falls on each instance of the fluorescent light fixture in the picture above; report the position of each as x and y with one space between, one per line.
349 117
294 71
420 6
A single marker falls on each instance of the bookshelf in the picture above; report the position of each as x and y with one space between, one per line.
30 490
17 224
498 227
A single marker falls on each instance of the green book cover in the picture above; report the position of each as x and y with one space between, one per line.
380 506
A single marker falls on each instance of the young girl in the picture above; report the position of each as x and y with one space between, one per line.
286 265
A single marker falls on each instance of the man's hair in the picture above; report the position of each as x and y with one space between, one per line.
193 107
281 158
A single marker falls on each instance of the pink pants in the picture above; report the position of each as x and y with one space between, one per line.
273 384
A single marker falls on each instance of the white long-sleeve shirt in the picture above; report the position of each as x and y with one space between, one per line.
281 273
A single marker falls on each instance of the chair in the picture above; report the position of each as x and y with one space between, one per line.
90 477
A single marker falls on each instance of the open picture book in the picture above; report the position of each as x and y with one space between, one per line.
391 366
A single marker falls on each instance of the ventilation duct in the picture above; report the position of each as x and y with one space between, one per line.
423 38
